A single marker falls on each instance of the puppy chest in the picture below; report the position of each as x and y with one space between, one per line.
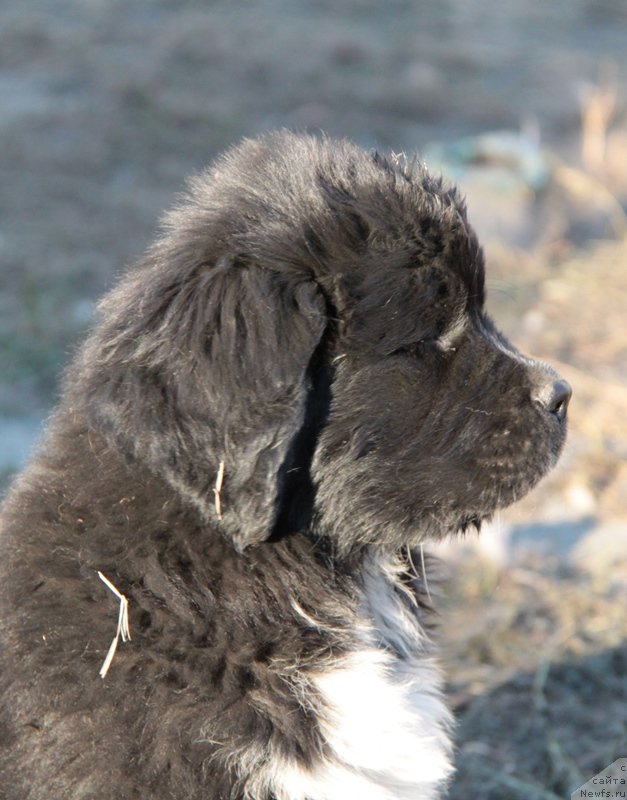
383 716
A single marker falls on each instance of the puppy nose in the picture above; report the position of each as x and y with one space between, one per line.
555 396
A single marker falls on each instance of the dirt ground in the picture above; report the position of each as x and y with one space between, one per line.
106 106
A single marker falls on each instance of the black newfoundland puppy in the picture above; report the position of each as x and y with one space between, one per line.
296 387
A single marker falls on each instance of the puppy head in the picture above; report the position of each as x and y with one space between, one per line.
313 319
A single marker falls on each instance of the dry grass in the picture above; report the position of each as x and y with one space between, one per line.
123 630
537 661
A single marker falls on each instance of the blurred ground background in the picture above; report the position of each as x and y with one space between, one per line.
106 106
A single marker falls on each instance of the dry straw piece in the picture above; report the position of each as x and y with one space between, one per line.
218 489
123 629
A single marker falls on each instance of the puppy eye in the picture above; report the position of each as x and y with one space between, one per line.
422 346
413 349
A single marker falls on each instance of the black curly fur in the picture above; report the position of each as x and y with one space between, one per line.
290 323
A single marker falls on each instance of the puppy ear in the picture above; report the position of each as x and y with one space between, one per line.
204 378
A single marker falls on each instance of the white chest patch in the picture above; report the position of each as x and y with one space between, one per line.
386 724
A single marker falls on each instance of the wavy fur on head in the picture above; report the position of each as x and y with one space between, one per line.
296 386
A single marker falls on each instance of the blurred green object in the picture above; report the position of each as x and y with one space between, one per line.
505 160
